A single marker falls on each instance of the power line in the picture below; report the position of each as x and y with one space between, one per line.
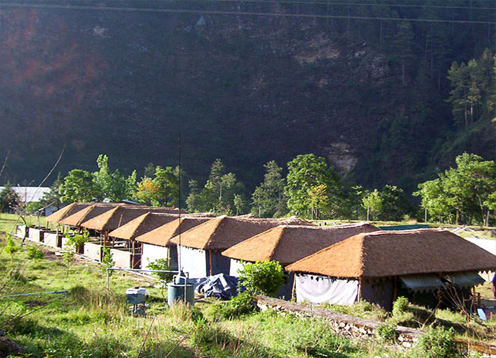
302 2
239 13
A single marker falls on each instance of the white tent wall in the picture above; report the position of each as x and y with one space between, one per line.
235 266
193 261
151 253
319 289
488 245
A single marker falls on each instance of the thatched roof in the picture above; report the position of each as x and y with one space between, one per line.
161 236
142 225
66 211
121 215
223 232
397 253
86 213
290 243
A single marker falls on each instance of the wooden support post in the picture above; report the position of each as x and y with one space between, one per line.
210 262
395 288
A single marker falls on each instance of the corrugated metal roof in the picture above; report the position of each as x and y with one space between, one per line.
29 194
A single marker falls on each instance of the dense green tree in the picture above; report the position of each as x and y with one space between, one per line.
472 92
394 203
162 189
434 199
78 186
268 198
9 200
310 174
402 46
436 37
372 202
167 180
193 200
470 186
53 197
102 185
149 170
465 192
351 205
222 193
112 187
239 203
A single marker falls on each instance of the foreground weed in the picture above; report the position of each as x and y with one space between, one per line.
438 343
386 332
291 335
361 309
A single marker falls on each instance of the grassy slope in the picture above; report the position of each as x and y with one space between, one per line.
92 320
8 222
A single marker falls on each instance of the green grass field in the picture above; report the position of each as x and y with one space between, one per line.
93 321
8 222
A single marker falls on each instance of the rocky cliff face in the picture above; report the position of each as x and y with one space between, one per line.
243 89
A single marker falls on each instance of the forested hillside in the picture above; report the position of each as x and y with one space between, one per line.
368 84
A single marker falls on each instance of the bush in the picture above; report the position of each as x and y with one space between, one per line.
215 311
33 207
11 248
161 264
208 334
438 343
77 240
361 309
107 260
242 304
35 254
262 278
400 306
386 332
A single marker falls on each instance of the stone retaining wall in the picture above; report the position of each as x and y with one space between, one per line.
342 324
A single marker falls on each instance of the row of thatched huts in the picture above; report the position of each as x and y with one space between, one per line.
338 264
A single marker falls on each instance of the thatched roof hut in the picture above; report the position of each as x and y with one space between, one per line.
66 211
156 243
376 266
200 247
397 253
289 243
121 215
162 235
142 225
86 213
226 231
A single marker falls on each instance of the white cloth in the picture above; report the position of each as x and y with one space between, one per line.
319 289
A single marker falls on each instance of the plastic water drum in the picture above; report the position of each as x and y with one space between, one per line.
175 293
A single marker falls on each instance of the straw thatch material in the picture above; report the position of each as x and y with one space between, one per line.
121 215
290 243
66 211
223 232
162 235
142 225
397 253
85 214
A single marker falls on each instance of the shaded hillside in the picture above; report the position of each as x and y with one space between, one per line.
246 89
